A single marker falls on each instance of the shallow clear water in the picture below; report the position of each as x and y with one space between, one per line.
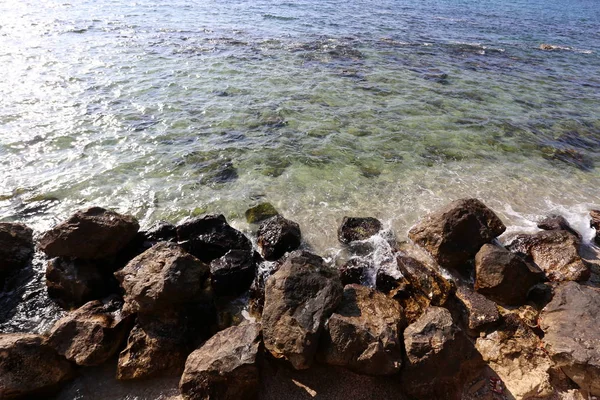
324 108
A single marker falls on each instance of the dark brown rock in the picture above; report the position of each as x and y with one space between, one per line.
504 276
232 274
557 223
353 271
225 367
555 252
595 223
572 339
299 298
163 277
90 234
91 334
363 334
16 247
160 232
454 234
481 313
355 229
425 280
29 367
211 237
276 236
72 282
438 355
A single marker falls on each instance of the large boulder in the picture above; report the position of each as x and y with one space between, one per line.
555 252
355 229
30 367
16 246
163 277
455 233
439 356
299 298
363 334
515 353
572 339
276 236
90 234
225 367
232 274
211 237
91 334
73 282
425 280
504 276
481 313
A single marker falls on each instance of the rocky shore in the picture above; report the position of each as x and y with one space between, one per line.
452 313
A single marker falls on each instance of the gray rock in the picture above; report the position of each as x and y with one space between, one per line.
455 233
16 247
363 334
277 236
572 339
299 298
90 234
225 367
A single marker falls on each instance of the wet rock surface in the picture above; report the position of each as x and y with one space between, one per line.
260 212
353 271
233 273
225 367
211 237
355 229
277 236
570 323
91 334
16 247
555 252
30 367
299 297
90 234
364 333
160 232
163 277
455 233
503 276
557 223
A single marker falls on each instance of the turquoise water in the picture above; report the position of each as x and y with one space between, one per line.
324 108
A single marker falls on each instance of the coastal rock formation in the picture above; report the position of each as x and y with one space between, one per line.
514 353
91 334
73 282
425 280
224 368
555 252
557 223
162 277
16 246
260 212
570 323
276 236
504 276
455 233
363 334
232 274
595 223
353 271
160 232
299 297
481 313
438 355
211 237
90 234
30 367
355 229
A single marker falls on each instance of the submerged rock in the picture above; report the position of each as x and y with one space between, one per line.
514 352
162 277
555 252
276 236
16 247
299 297
90 234
260 212
91 334
29 367
232 274
211 237
504 276
572 339
455 233
438 354
72 282
224 368
355 229
363 334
